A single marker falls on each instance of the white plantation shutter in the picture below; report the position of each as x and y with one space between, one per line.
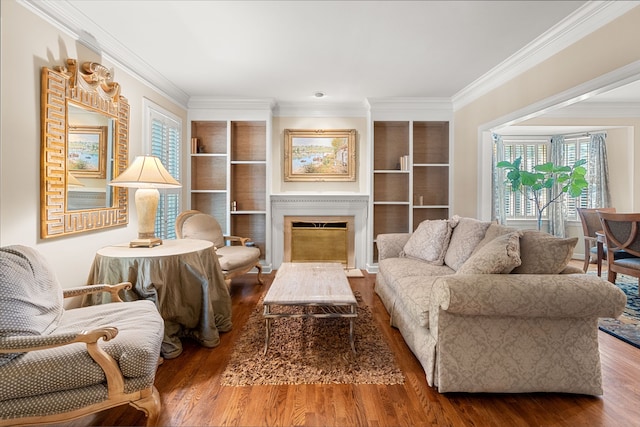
165 144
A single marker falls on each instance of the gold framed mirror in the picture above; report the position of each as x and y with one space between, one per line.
85 144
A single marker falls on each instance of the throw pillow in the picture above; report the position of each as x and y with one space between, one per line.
494 230
542 253
30 296
429 242
500 256
464 238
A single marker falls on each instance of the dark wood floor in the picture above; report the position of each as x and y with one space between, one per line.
192 395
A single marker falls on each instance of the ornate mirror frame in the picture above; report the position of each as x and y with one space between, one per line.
89 87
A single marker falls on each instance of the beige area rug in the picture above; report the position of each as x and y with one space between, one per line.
312 351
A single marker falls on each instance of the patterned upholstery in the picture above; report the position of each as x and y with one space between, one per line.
65 378
499 333
464 238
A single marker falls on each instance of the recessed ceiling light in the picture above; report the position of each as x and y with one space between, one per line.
319 94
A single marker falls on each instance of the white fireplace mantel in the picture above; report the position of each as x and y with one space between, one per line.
355 205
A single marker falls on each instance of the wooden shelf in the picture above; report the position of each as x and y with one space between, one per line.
211 135
390 142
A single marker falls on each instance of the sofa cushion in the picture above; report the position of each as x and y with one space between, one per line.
466 235
30 295
413 296
499 256
429 242
542 253
393 269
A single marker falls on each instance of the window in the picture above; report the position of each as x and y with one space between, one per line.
576 148
535 151
164 131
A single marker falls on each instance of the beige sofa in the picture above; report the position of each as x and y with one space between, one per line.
487 308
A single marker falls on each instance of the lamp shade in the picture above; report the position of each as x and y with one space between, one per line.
145 172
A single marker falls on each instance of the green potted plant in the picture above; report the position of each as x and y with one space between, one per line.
570 180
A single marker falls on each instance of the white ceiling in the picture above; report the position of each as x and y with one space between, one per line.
349 50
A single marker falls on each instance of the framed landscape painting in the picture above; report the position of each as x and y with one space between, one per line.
320 155
86 151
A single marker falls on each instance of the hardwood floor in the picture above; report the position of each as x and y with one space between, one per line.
192 395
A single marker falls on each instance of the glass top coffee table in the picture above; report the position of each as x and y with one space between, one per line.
321 289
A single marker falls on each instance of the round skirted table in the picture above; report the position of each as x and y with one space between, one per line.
182 277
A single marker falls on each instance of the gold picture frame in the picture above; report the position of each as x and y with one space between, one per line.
320 155
87 151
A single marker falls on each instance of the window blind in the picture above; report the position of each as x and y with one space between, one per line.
165 144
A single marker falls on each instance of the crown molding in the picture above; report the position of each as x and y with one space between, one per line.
62 15
553 104
585 20
598 110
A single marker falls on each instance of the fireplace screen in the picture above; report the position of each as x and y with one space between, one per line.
319 242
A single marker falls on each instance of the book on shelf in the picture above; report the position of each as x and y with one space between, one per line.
404 162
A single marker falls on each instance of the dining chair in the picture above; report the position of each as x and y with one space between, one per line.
590 225
622 232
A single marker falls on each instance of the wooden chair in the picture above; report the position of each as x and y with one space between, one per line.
59 364
235 257
590 224
622 232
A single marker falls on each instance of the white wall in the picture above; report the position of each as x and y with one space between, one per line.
607 49
28 43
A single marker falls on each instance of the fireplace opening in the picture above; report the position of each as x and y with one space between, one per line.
319 239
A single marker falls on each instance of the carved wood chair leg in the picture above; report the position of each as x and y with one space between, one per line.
259 267
151 406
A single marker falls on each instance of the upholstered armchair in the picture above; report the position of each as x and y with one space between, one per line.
59 364
235 257
622 233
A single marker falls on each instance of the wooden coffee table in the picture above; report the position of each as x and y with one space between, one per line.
322 289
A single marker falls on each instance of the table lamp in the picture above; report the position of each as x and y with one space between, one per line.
147 174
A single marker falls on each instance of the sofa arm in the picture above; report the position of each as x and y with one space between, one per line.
527 295
390 245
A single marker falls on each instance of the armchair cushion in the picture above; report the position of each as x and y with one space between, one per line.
30 296
135 349
542 253
500 256
429 242
233 257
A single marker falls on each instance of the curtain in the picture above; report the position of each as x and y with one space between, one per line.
498 209
557 210
598 195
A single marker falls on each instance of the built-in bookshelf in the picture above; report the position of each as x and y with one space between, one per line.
229 175
410 175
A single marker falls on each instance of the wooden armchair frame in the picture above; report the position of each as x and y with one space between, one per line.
146 400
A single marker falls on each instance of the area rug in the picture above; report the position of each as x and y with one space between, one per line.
627 327
312 351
